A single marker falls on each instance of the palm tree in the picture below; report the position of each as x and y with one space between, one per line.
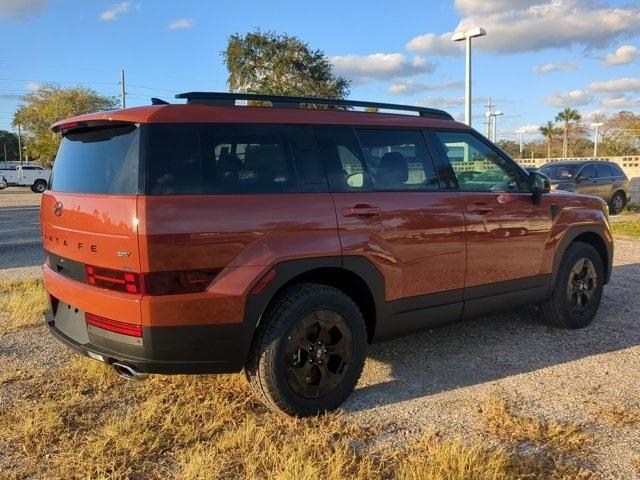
549 130
567 117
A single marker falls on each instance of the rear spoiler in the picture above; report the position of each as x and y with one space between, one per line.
64 127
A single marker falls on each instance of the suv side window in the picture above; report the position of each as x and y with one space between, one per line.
478 167
397 160
588 171
605 171
192 159
343 159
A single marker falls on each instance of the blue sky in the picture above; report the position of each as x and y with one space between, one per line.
538 57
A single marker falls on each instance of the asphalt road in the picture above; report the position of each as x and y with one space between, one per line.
20 246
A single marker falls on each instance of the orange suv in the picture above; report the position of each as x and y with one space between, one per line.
212 237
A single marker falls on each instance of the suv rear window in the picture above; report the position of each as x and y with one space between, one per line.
192 159
98 160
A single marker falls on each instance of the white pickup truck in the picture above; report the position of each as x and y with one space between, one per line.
24 175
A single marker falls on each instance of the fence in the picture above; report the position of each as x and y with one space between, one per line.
630 164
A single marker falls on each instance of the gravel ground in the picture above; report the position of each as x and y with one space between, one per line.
436 380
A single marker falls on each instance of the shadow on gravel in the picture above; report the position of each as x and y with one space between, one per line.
498 346
20 244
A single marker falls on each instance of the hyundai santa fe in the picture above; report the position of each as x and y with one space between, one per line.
283 235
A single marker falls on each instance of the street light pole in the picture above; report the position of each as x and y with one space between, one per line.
467 36
521 132
595 139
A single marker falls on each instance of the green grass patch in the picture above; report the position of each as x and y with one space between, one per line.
627 228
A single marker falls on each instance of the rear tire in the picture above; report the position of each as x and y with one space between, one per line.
578 289
309 350
617 203
39 186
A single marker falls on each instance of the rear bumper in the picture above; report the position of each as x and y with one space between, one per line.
215 347
164 350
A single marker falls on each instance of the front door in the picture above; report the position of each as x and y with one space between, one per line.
507 233
390 210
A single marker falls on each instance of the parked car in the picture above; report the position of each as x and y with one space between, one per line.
32 176
602 179
211 237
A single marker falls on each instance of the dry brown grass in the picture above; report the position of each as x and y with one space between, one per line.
22 303
620 415
501 422
83 421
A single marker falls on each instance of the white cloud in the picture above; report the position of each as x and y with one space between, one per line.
622 102
181 23
411 88
21 9
622 56
114 11
32 86
527 129
470 7
618 85
380 66
593 115
521 26
435 44
554 67
447 102
574 98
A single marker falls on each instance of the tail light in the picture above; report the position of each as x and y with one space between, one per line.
171 283
113 279
113 325
152 283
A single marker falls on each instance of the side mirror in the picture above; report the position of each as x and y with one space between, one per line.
539 184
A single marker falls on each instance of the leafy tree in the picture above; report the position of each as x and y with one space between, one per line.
569 117
549 131
511 147
45 106
620 134
10 141
278 64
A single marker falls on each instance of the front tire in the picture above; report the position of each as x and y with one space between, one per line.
578 289
617 203
309 350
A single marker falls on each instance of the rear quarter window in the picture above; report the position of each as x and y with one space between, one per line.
201 159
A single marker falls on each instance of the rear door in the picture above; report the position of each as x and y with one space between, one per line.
391 210
606 181
89 214
507 233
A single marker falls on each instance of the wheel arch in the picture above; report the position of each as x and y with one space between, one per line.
355 276
594 235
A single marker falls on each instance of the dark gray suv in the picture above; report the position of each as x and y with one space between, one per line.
602 179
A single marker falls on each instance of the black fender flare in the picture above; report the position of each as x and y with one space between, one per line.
570 235
287 270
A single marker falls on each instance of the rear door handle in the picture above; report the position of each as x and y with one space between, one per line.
362 211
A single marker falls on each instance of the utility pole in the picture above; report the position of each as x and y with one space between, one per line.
5 151
123 92
20 144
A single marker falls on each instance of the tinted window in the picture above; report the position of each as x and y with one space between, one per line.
617 171
341 153
103 160
397 160
604 171
193 159
560 171
588 172
478 167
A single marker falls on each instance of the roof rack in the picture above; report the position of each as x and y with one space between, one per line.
229 99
